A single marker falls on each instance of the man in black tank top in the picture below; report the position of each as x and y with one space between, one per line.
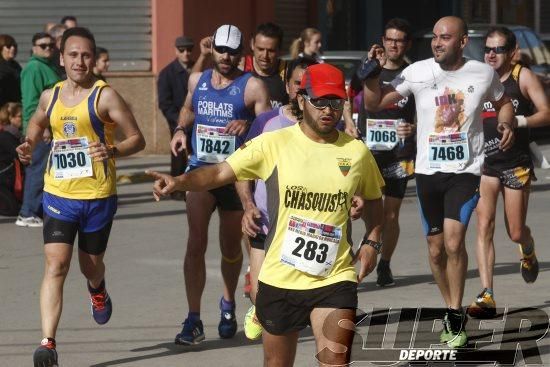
509 172
265 64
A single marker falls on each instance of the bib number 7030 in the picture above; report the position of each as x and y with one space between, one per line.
312 251
447 153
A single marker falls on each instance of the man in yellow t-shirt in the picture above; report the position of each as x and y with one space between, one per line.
311 173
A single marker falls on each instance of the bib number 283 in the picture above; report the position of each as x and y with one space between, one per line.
311 250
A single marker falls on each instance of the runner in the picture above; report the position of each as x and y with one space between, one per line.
508 172
389 134
80 180
219 107
265 64
449 91
311 172
255 222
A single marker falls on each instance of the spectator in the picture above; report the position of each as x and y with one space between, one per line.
307 45
10 168
39 74
57 33
101 62
172 89
69 21
48 26
10 71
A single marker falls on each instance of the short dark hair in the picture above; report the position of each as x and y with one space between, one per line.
77 32
509 36
99 51
401 25
68 17
40 35
299 62
270 30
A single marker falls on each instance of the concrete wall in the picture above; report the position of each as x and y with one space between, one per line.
140 92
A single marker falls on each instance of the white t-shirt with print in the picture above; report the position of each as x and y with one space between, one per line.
448 108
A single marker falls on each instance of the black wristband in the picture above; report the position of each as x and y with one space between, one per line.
375 245
179 128
369 69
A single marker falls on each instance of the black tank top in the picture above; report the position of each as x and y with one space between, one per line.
519 154
403 109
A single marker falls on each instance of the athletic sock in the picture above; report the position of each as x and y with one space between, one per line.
384 263
489 291
527 249
227 306
194 317
100 289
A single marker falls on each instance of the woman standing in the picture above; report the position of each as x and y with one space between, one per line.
307 45
10 88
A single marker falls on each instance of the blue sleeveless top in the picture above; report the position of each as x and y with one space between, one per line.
214 109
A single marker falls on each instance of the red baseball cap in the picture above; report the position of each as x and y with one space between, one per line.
323 80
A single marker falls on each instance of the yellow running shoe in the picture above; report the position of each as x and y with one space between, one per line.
483 307
252 327
529 265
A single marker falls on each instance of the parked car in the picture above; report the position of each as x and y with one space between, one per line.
533 52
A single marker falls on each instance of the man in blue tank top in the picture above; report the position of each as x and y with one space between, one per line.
220 105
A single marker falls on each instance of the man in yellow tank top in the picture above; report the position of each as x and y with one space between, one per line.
80 179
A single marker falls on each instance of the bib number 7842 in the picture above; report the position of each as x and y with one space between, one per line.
311 250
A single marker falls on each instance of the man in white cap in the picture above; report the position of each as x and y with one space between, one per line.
219 107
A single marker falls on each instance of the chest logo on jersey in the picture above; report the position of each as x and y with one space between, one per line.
203 86
69 129
234 90
344 164
449 114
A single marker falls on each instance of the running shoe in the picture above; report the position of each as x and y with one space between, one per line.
385 276
227 328
483 307
191 334
31 221
457 332
529 266
101 305
247 285
445 335
252 327
45 355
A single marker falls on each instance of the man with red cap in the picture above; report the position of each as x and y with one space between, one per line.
311 171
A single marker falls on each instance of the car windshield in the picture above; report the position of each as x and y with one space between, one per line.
347 66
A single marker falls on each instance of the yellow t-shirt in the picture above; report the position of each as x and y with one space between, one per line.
309 190
70 126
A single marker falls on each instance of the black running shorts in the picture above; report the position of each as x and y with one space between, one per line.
446 195
281 311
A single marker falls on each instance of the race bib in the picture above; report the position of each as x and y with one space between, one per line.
448 151
381 134
213 145
310 247
70 159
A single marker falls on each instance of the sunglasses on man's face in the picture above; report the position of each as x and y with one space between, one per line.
46 45
322 103
183 49
225 49
498 50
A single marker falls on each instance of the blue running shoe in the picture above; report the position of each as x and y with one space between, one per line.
45 355
227 328
101 305
192 333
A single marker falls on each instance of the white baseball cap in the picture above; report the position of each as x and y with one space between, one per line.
228 36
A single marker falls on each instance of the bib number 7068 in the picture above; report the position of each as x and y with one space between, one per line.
312 251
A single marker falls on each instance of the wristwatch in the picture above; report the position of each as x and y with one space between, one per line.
374 244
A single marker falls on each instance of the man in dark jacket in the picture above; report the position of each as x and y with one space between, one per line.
172 89
10 70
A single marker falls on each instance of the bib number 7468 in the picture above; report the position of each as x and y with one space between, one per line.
311 250
450 153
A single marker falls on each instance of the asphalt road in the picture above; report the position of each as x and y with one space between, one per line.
145 281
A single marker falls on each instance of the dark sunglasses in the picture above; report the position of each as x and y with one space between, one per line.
182 49
228 50
46 45
322 103
498 50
